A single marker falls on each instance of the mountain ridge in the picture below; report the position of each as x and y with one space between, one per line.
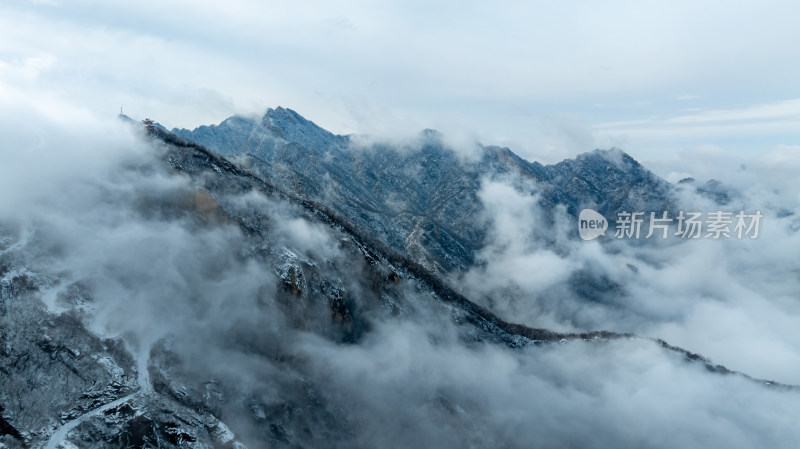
479 316
422 198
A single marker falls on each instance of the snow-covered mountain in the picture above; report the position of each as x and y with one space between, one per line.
266 284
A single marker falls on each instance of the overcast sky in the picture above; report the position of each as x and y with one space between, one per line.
658 79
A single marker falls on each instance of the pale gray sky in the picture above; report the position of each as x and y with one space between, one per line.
660 79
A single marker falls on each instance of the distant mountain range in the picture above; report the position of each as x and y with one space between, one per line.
421 198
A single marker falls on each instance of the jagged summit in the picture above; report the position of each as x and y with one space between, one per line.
282 125
276 128
286 119
289 125
608 181
285 125
613 154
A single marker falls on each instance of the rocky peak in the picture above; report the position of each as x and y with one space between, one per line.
288 125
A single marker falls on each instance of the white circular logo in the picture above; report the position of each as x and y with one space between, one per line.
591 224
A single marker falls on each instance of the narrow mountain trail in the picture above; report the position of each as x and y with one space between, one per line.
61 433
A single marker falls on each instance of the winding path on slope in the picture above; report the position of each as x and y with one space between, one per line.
61 433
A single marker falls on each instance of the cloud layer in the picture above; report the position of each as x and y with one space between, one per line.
732 300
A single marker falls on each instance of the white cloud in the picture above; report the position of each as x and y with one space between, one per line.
496 70
741 132
763 118
730 299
